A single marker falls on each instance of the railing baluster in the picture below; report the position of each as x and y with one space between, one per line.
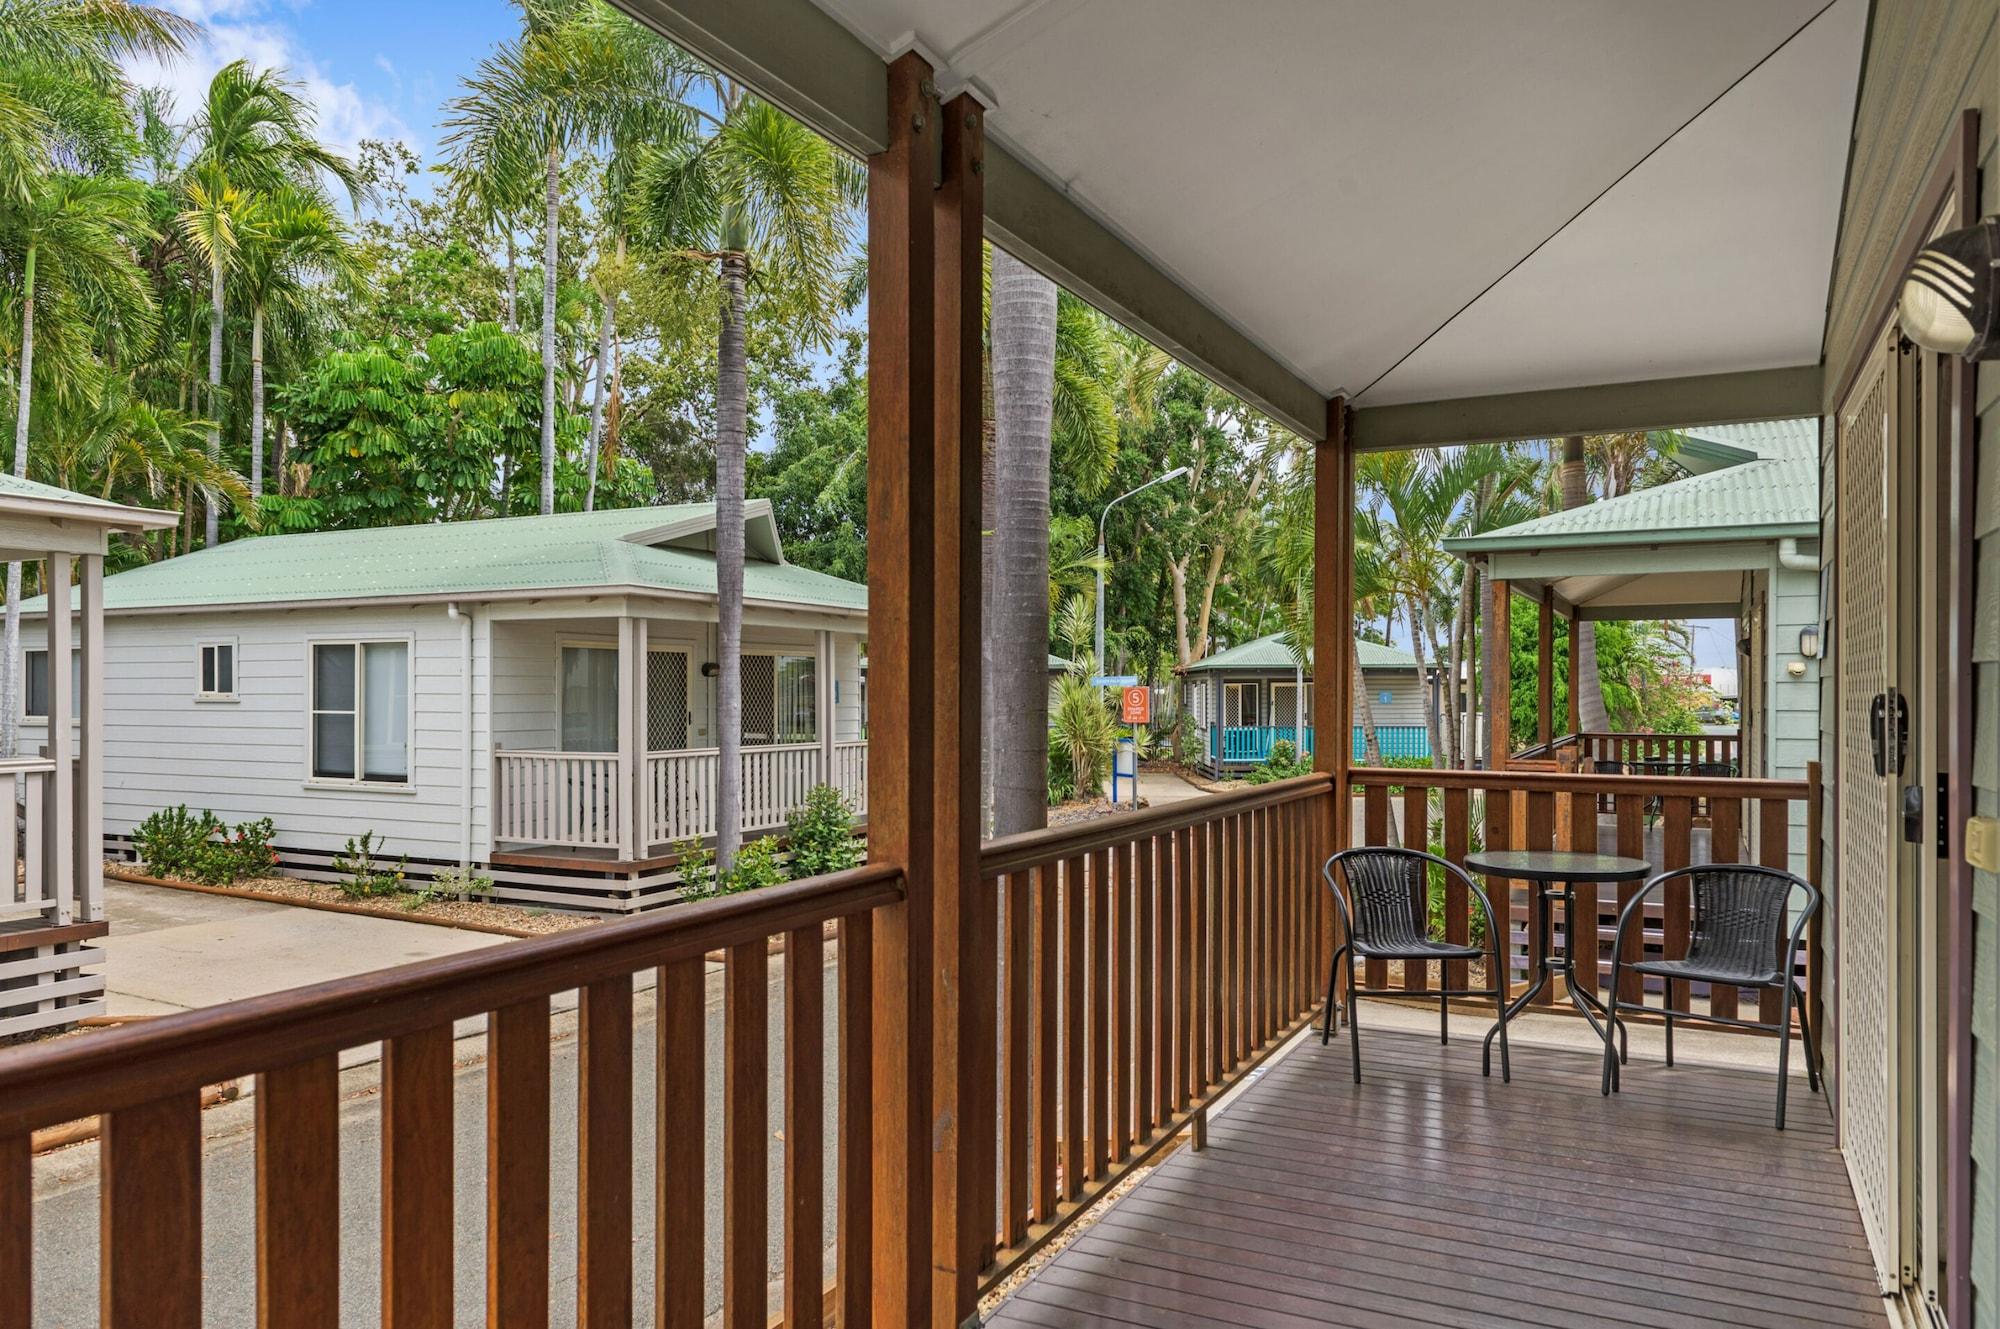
680 1132
150 1215
1457 900
1123 982
1145 976
1046 902
1774 851
1187 1019
1630 814
805 1164
1416 835
1581 931
517 1165
1676 837
1209 967
1725 845
17 1233
417 1236
1100 1014
604 1155
1541 835
298 1195
1017 979
745 1130
1162 978
854 953
1246 945
1375 830
1074 890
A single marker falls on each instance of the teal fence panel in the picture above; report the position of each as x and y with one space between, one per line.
1251 744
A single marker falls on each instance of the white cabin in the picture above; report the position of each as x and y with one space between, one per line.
472 692
51 870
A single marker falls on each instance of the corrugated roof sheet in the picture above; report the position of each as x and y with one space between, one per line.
1272 653
1773 496
578 551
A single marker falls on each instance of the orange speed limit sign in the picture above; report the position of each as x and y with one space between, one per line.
1136 706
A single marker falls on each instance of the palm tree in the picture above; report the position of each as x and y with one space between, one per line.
758 192
254 135
1024 359
579 76
287 243
76 235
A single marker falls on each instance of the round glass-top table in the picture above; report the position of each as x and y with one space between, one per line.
1553 874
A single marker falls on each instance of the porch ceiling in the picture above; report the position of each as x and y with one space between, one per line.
1425 203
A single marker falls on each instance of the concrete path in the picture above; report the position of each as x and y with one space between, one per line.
1159 787
180 950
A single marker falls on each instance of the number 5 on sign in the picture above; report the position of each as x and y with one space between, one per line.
1136 706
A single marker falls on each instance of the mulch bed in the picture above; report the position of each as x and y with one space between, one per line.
471 915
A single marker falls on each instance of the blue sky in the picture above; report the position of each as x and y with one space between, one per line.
373 68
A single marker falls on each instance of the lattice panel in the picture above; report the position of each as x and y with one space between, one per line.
666 701
1863 655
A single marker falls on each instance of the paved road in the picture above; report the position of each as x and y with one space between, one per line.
66 1197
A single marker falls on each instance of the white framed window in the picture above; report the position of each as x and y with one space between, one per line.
360 729
215 670
35 684
780 699
589 688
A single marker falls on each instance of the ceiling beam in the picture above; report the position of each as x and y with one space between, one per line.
1608 408
798 57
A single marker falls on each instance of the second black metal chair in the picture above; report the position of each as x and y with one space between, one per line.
1386 915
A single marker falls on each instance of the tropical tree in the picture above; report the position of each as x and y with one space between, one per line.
253 135
751 191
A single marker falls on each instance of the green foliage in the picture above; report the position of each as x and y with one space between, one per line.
1283 763
756 866
197 846
1435 891
1644 668
697 864
368 873
1082 729
449 884
822 834
1062 777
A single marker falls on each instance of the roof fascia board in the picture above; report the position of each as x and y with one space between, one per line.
98 516
802 59
1513 565
1498 545
1605 408
776 612
1655 613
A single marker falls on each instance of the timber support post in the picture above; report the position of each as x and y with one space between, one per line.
1333 633
1499 673
1577 627
933 981
1545 671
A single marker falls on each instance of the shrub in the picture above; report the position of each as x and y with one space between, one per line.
1062 778
367 870
1282 764
1193 747
197 846
697 862
452 883
1081 728
822 834
756 866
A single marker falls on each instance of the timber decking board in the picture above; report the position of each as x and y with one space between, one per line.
1430 1196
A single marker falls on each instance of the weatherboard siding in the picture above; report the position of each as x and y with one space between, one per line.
1986 768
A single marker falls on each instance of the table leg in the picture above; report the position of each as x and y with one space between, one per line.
1538 924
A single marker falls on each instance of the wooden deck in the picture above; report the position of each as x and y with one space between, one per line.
1430 1196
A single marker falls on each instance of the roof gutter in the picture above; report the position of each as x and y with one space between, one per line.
1790 559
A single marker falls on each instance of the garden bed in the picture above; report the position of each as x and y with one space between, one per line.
409 907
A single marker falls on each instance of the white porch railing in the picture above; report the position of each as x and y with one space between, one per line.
28 889
850 773
556 798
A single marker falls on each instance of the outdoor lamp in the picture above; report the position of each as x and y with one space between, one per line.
1809 642
1948 297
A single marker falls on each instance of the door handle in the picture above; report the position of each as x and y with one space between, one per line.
1887 734
1913 813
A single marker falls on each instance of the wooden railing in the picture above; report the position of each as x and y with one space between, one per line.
850 773
680 786
30 887
1661 754
147 1081
1650 817
556 798
1146 963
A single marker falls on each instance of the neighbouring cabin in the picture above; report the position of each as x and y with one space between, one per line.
1249 697
52 785
533 698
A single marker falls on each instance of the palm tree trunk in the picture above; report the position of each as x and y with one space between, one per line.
1024 357
10 677
1364 715
604 329
1591 712
256 403
549 332
732 393
1420 647
212 529
1454 690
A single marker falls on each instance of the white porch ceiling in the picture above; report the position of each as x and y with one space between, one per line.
1440 199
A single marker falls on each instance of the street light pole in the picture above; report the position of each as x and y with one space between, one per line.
1174 474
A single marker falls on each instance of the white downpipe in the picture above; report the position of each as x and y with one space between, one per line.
1790 559
464 621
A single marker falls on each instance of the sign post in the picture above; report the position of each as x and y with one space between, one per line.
1135 707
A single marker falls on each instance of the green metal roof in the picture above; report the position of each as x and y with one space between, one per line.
34 492
653 548
1772 495
1270 653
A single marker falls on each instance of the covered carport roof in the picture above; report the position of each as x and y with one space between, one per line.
1495 219
1676 550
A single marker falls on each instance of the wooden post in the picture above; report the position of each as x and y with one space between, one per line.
1577 627
1333 618
918 603
88 815
628 739
641 780
59 809
823 703
1545 671
1499 674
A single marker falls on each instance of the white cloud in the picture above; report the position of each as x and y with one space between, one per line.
248 30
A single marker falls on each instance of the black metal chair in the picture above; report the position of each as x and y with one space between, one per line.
1388 918
1743 936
